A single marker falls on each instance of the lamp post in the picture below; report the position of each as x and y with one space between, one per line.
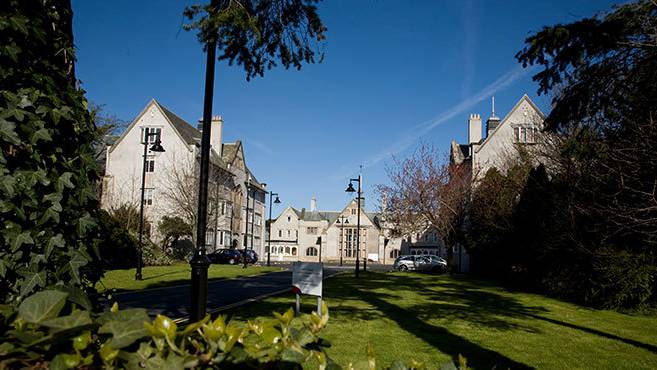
277 201
342 221
200 262
350 189
157 147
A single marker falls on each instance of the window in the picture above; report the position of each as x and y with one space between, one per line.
209 238
353 211
350 245
150 163
311 251
288 233
523 134
394 253
266 249
287 250
288 218
258 219
148 197
280 233
311 230
223 208
151 138
297 233
294 251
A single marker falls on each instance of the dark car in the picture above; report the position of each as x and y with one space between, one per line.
251 255
229 256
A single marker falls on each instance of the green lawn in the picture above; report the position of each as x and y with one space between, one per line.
434 318
179 273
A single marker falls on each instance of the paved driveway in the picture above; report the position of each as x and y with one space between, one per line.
174 301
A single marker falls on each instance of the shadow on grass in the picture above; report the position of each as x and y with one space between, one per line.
632 342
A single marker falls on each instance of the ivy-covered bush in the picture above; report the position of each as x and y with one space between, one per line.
48 174
49 331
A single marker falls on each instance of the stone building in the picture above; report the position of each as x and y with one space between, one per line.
171 179
496 147
312 235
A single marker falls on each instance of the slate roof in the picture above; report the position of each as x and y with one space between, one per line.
330 216
187 131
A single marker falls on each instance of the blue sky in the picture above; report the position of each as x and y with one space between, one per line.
395 73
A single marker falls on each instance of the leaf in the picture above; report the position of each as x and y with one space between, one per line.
65 181
136 314
22 238
41 134
124 333
55 241
42 306
31 281
75 319
73 265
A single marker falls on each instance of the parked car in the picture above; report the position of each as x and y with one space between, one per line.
229 256
251 255
420 263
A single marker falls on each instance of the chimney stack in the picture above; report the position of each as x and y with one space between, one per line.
474 129
493 121
216 127
313 204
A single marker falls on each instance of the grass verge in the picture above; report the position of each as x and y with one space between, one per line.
434 318
179 273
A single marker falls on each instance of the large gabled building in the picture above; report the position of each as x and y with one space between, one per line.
170 182
312 235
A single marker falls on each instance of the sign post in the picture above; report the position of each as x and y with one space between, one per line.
307 279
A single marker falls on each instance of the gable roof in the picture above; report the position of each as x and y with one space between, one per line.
186 131
508 115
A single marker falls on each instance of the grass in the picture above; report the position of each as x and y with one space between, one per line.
179 273
435 318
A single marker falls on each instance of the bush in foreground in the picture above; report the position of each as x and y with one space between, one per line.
49 331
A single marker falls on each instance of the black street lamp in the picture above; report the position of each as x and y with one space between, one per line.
277 201
342 221
157 148
350 189
200 262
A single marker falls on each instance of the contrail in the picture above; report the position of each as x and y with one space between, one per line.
422 128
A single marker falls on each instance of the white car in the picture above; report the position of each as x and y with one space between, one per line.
423 263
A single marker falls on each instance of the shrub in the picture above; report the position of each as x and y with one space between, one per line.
48 331
48 174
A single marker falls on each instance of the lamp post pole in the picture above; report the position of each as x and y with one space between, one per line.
350 189
271 195
157 147
200 262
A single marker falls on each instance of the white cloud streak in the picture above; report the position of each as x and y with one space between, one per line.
423 128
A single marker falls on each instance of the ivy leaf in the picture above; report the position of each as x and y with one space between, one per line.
73 265
41 134
55 241
65 181
124 333
84 223
32 280
8 132
22 238
42 306
75 319
136 314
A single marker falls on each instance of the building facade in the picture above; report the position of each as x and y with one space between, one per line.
171 185
497 147
311 235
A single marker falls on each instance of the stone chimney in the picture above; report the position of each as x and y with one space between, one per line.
474 129
313 204
493 121
216 127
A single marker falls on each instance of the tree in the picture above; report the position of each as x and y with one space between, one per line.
180 190
602 72
48 174
257 34
427 191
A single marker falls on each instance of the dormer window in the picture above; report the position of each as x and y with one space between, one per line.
524 134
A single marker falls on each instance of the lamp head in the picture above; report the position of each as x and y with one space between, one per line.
157 147
277 201
350 188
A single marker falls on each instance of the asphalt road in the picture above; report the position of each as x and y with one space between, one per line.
174 301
